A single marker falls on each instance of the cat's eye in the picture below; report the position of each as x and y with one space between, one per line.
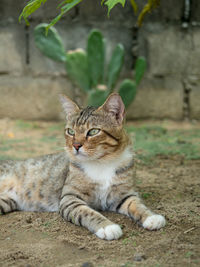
93 132
70 131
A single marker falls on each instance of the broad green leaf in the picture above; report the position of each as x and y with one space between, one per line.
140 67
50 45
97 97
66 5
77 68
111 3
115 66
127 91
95 53
30 8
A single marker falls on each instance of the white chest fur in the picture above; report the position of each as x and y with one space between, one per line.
104 173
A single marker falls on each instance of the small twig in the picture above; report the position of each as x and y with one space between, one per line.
189 230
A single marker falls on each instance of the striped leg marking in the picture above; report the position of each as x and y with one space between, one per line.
7 205
75 210
132 207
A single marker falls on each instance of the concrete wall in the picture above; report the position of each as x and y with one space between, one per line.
30 82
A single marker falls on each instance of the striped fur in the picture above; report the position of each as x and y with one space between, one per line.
95 173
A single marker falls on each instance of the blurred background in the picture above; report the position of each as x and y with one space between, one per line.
169 39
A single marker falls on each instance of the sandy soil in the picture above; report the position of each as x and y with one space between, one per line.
169 185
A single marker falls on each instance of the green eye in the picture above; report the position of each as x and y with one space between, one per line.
70 131
93 132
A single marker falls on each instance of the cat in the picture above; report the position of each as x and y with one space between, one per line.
96 172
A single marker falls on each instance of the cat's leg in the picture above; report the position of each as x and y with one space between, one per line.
74 209
7 204
132 206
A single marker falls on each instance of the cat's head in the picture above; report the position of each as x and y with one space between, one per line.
94 133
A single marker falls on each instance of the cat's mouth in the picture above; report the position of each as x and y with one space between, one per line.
80 156
84 156
79 153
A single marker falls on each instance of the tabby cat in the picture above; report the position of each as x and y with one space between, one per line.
95 173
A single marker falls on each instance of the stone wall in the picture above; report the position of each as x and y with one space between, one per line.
30 82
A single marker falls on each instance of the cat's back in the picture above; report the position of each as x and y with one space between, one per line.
34 184
50 170
46 165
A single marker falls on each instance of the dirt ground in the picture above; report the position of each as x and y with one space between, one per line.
170 185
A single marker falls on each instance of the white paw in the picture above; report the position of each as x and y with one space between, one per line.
109 232
154 222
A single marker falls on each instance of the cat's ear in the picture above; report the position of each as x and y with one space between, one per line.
115 106
68 105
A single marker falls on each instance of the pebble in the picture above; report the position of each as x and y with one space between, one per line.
87 264
81 247
28 219
139 257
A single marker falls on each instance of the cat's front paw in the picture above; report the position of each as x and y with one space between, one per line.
154 222
110 232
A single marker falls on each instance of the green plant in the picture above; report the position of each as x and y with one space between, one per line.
67 5
87 68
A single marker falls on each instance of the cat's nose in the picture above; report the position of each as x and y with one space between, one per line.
77 146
